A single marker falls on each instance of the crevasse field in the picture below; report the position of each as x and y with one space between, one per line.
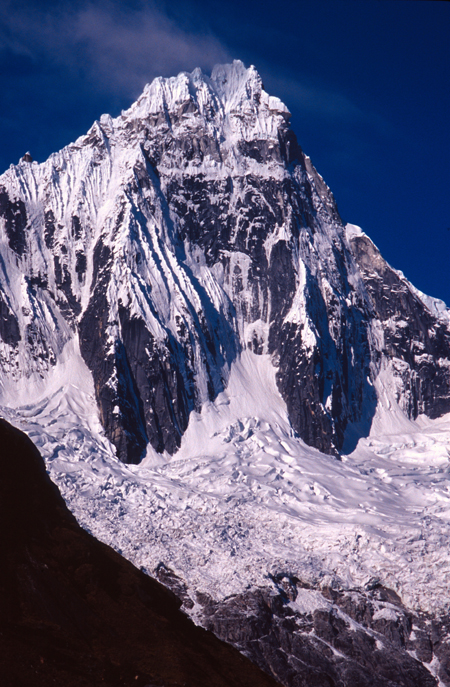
244 497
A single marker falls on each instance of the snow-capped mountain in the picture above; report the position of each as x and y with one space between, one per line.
178 291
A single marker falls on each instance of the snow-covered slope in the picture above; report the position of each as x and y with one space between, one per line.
188 229
168 240
245 497
245 502
178 292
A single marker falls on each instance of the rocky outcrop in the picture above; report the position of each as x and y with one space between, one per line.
15 219
9 326
306 637
416 343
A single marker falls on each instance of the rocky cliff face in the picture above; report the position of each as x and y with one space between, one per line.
416 336
306 636
190 227
189 251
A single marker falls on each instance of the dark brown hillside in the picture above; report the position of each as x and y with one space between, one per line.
74 613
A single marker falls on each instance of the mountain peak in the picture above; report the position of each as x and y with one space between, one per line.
232 89
204 169
229 79
179 283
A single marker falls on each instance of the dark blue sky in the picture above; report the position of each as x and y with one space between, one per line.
367 82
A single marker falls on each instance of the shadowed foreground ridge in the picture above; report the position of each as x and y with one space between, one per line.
74 612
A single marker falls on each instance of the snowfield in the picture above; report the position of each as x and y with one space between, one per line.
244 497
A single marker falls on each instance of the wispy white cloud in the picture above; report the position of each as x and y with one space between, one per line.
321 101
116 47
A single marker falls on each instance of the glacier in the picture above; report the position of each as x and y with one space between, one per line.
244 497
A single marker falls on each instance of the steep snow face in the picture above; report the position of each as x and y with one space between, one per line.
168 240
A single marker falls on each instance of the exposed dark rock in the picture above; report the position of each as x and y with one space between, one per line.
417 343
297 381
81 264
15 216
352 642
38 345
260 150
9 325
73 612
119 403
290 149
76 228
167 395
49 229
69 304
168 578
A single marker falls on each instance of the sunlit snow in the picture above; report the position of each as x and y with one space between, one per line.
244 497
